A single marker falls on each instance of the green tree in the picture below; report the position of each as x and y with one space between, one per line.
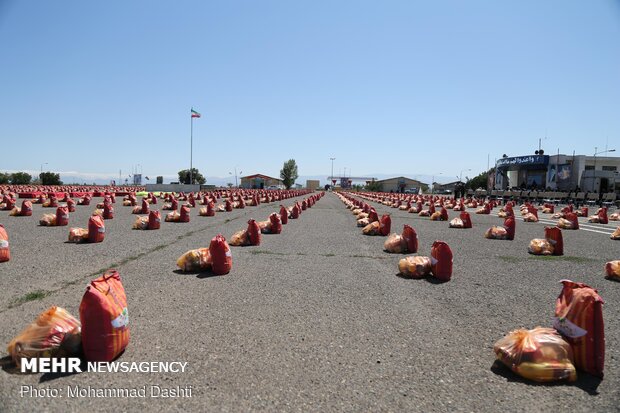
479 181
4 178
196 176
20 178
50 178
288 173
373 186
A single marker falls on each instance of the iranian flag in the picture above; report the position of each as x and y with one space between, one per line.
195 114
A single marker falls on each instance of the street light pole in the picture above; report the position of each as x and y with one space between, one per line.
332 177
461 174
433 183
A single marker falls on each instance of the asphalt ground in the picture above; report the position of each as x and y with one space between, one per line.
313 319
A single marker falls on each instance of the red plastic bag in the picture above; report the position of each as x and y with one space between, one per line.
71 205
570 221
276 223
283 215
5 252
96 229
253 231
210 209
464 215
411 238
184 217
154 220
372 216
441 261
62 216
104 317
554 236
385 225
295 212
579 318
220 255
108 211
228 205
509 225
26 210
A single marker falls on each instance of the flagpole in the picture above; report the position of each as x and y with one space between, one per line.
191 146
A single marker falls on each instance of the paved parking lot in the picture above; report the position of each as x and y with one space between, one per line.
315 318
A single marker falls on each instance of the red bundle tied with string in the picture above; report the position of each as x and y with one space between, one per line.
108 211
554 236
228 205
184 217
385 225
145 207
96 229
254 234
104 318
602 216
154 220
283 215
276 223
579 318
304 205
71 205
441 261
62 216
220 255
5 252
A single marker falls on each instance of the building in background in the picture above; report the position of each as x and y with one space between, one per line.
259 181
445 188
400 184
558 172
312 184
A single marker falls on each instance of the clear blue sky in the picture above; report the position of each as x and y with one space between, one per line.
397 87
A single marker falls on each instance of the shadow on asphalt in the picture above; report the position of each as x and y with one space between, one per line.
428 279
8 366
585 381
198 274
